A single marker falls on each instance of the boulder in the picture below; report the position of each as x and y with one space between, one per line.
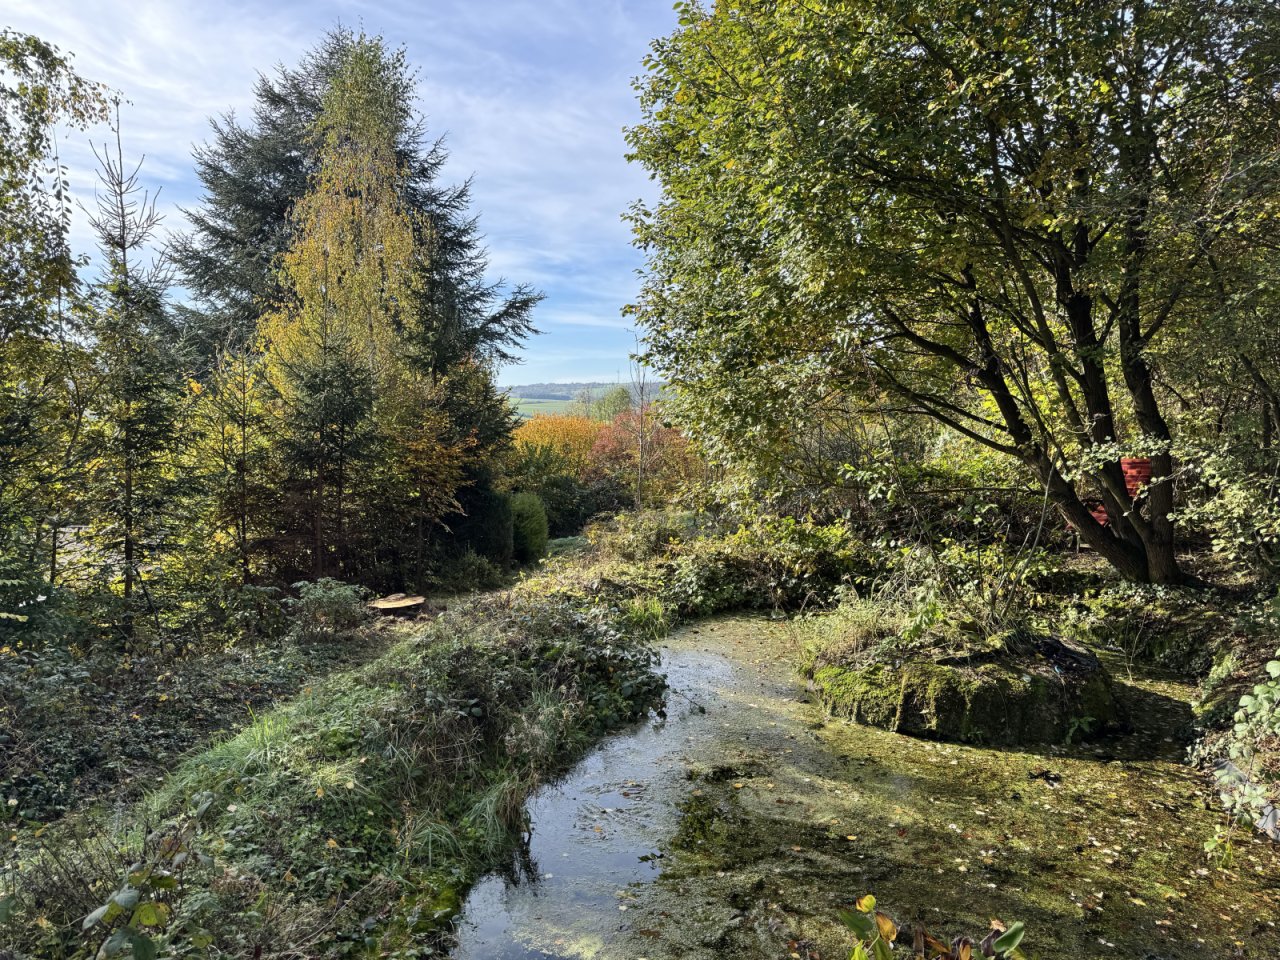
1052 696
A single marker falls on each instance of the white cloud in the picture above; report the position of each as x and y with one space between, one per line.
532 93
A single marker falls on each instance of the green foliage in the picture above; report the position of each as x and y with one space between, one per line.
1253 742
644 534
468 571
937 238
487 526
1177 628
645 616
768 564
695 571
326 610
529 528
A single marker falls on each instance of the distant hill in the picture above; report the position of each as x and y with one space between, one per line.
534 398
556 391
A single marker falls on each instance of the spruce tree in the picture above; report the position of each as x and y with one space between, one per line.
139 396
254 173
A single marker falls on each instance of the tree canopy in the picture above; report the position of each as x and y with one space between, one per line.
993 215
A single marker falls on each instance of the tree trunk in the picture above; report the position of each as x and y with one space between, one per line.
1129 559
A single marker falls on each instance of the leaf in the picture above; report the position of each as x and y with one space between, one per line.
94 917
887 928
882 950
144 948
150 914
1011 938
859 923
866 903
127 898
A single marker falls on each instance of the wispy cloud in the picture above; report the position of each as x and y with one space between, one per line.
533 95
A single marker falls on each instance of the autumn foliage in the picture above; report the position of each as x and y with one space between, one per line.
570 438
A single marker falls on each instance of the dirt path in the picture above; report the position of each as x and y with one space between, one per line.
738 825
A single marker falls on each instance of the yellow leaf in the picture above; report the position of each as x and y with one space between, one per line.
888 929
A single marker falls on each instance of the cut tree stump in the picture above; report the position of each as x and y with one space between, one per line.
397 605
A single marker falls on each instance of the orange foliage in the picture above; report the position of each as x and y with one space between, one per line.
570 437
668 459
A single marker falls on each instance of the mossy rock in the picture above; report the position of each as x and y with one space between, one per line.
995 703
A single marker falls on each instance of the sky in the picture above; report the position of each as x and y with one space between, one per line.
532 95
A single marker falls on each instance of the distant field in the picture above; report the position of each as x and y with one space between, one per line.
527 408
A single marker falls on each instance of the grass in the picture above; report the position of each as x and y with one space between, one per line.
355 813
528 408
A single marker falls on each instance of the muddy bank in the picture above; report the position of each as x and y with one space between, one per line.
737 825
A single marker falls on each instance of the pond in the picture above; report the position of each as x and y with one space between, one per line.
737 825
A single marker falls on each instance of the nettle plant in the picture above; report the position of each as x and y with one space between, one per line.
877 938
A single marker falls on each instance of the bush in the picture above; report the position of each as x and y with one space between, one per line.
571 502
326 610
776 563
470 571
486 525
644 535
529 528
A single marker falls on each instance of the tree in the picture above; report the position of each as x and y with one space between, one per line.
44 370
139 394
324 231
351 278
565 438
231 454
989 215
254 174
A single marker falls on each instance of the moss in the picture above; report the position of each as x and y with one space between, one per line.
1000 704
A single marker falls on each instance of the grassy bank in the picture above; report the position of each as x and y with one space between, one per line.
351 819
347 820
79 724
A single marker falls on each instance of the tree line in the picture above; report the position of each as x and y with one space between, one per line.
299 384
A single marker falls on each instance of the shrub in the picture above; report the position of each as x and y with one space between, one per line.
779 563
326 609
571 502
486 525
529 528
644 535
469 571
253 614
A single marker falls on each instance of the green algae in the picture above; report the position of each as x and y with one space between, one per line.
1100 856
772 817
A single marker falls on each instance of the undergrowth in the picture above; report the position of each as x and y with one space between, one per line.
351 817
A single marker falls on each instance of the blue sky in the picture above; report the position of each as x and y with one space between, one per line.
533 95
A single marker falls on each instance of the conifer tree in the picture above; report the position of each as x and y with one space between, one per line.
353 278
139 396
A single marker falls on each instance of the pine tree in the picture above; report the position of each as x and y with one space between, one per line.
139 396
253 175
353 279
